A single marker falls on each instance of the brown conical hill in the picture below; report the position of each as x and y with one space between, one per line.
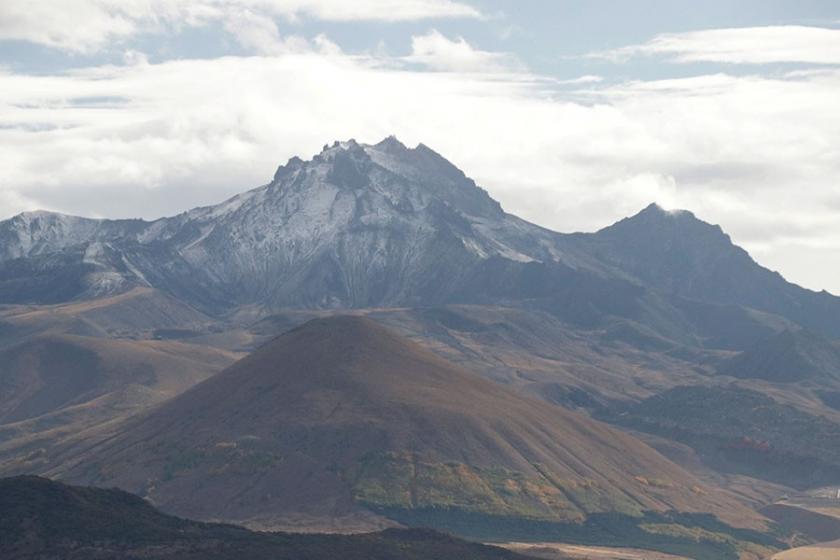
341 416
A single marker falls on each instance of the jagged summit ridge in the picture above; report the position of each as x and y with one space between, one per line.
357 225
362 225
414 176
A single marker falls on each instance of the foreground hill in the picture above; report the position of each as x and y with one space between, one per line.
341 423
41 519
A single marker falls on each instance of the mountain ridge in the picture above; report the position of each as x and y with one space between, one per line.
383 225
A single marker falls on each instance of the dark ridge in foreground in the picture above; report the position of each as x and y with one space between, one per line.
42 519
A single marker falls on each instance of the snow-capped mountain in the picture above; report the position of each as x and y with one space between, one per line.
358 225
363 225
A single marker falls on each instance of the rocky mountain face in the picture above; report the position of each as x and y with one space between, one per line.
677 254
356 226
385 225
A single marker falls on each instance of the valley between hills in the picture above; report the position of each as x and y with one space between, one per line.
370 343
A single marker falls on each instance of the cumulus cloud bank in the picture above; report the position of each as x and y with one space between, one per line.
438 52
755 153
746 45
89 25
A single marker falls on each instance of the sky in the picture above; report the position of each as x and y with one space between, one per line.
573 114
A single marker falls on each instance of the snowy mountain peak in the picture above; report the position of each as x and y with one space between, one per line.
356 225
32 214
391 144
339 146
291 166
32 233
405 177
40 218
361 225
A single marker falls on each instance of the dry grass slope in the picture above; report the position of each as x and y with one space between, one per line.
342 414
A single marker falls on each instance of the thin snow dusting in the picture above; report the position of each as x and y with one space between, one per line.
387 219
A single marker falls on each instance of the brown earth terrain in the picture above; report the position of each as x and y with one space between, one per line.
372 421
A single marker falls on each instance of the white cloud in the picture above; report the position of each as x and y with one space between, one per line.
585 79
325 46
435 51
259 33
384 10
758 155
132 57
745 45
90 25
12 201
71 25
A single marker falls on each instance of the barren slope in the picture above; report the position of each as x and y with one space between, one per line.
56 387
341 415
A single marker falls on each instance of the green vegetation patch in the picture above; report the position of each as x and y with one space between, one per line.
590 497
402 480
241 458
